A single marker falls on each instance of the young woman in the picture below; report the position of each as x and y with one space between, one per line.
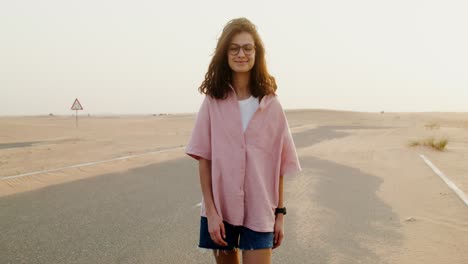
244 147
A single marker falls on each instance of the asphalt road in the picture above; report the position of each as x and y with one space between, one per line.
149 215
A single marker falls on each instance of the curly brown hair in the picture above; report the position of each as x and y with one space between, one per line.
219 74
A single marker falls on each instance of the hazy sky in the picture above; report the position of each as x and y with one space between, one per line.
150 56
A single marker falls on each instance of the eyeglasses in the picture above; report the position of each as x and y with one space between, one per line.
248 49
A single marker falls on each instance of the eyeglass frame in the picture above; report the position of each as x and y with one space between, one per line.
239 47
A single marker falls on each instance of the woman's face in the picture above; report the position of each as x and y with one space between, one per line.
241 53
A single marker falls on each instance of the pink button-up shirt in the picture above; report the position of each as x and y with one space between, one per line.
245 166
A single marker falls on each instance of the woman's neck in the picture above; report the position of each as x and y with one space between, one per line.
241 81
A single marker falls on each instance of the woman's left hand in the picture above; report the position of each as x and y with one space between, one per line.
279 231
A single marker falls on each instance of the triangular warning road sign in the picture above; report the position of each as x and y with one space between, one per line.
76 105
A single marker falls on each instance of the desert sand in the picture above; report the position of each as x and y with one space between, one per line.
430 219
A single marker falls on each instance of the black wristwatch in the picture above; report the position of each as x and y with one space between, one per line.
280 211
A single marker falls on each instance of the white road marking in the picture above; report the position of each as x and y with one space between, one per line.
197 205
449 183
89 163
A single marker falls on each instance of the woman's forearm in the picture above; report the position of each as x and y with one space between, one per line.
204 168
281 201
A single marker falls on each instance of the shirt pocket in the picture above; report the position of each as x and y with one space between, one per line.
265 140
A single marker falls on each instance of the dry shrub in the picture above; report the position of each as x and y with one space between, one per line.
433 125
439 144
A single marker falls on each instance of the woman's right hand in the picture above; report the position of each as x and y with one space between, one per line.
216 229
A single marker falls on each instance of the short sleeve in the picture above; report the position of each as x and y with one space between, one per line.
199 145
289 161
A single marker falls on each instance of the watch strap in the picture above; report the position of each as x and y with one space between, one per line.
280 211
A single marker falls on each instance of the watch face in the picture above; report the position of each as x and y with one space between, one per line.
280 210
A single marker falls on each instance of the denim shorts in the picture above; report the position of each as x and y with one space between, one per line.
236 237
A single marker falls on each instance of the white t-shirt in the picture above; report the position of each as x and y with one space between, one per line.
247 109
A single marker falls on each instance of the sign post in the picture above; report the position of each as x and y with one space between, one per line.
76 106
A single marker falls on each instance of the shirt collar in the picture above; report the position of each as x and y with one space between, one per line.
263 103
